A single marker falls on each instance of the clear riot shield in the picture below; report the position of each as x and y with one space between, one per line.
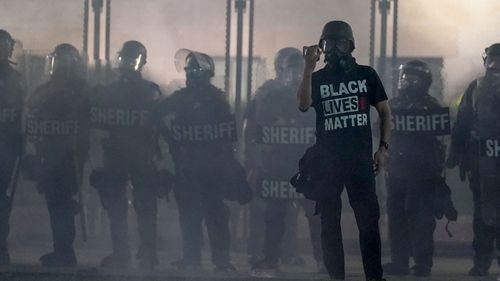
55 147
282 135
181 58
489 175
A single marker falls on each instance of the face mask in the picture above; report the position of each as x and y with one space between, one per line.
196 77
291 75
339 60
337 53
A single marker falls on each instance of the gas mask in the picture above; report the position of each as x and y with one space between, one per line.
199 67
338 53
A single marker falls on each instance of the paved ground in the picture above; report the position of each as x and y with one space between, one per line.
30 238
25 268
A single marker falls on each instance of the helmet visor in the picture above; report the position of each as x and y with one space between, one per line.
187 60
134 63
409 80
492 63
330 45
5 49
63 64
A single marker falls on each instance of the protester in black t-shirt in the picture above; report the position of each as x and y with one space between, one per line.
341 94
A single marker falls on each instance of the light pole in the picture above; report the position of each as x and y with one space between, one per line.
384 7
97 6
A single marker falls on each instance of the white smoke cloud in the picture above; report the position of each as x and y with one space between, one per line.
457 30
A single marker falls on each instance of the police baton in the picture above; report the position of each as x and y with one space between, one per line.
13 181
79 185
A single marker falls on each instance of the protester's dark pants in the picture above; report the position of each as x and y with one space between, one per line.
360 184
114 199
486 237
410 206
199 198
314 229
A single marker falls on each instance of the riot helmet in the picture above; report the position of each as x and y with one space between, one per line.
337 43
132 57
65 62
491 59
6 45
289 66
199 67
415 77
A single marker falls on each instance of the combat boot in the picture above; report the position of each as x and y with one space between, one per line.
421 271
392 268
149 262
58 260
264 269
478 271
186 265
293 261
227 267
114 261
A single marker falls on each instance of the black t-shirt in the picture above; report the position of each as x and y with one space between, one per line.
342 104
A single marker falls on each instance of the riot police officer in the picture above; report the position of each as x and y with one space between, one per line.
11 103
272 162
57 144
124 132
415 164
200 131
477 118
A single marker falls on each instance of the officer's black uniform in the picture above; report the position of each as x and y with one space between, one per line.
416 163
124 128
200 153
57 142
11 103
481 98
276 136
342 93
